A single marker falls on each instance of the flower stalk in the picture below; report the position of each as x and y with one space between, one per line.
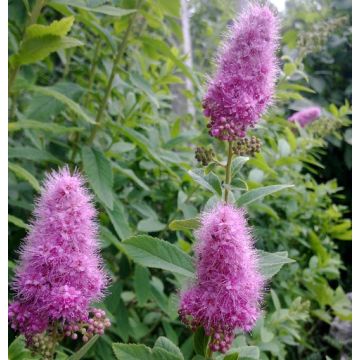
104 101
228 172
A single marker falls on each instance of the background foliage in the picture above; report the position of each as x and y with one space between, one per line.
98 86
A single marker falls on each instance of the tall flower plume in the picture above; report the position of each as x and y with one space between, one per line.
243 85
60 272
228 288
306 116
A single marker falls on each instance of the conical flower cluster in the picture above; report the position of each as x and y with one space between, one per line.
60 272
228 289
243 85
306 116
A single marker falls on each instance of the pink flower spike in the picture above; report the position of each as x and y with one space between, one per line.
306 116
60 272
243 85
228 290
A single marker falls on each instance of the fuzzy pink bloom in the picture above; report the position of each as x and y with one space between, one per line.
60 272
306 116
247 68
228 289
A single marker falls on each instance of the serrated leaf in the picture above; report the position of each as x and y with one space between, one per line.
58 28
155 253
201 341
169 346
142 284
98 171
271 263
102 9
162 354
141 141
18 351
18 222
186 224
22 173
38 48
259 193
150 225
72 105
238 163
132 351
210 181
119 220
30 153
131 175
83 350
39 125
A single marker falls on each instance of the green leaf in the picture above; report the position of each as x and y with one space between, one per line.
18 351
98 171
119 220
186 224
140 83
155 253
142 284
171 8
169 346
132 352
249 352
201 341
150 225
210 182
289 68
141 141
131 175
18 222
83 350
57 28
165 50
72 105
233 356
43 107
30 153
271 263
161 354
296 87
103 9
38 48
22 173
38 125
259 193
238 163
122 321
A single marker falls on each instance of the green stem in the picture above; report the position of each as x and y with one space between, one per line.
92 72
35 13
33 16
88 97
228 171
102 107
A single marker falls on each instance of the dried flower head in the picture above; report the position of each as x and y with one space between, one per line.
60 272
243 85
228 288
306 116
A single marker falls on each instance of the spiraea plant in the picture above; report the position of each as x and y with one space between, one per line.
231 252
60 272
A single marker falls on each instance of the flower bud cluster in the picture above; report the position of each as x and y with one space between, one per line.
96 324
204 156
43 344
247 146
